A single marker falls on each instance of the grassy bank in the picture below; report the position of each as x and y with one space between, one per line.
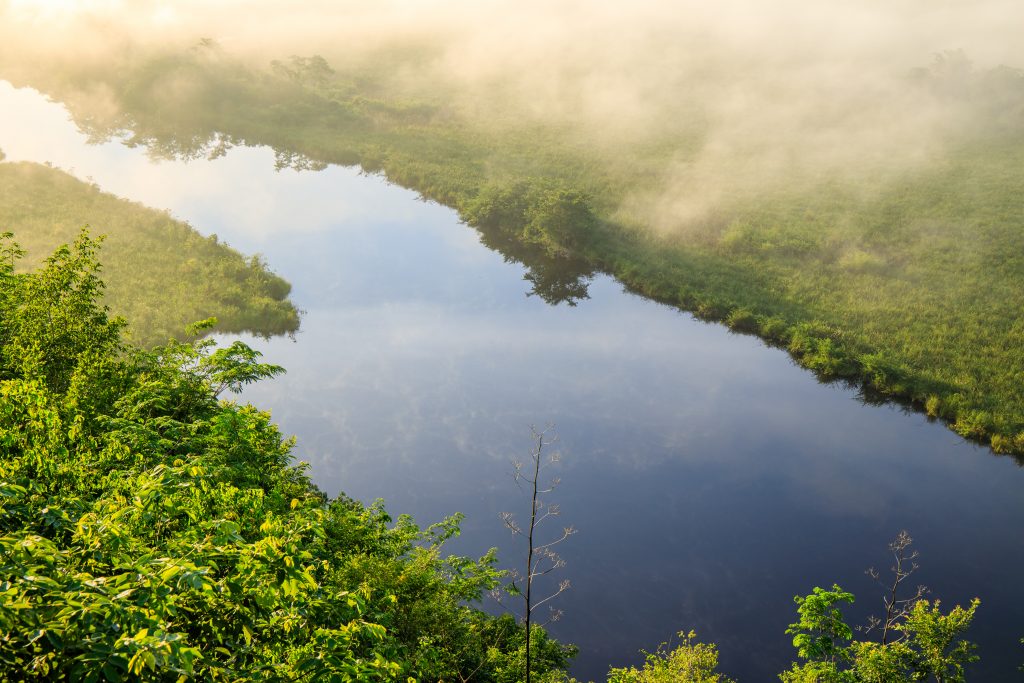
162 275
904 277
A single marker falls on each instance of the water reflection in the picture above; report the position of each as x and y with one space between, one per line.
709 478
263 206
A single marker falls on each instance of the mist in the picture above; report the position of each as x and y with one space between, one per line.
542 194
712 102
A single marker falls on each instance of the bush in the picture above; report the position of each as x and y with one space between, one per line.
973 424
689 662
541 212
151 531
742 320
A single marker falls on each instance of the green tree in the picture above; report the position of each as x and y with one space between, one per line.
559 219
930 645
51 322
937 639
820 636
547 213
152 530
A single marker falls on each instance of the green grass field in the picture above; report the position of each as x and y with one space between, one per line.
160 273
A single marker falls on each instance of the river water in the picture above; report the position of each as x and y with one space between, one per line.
709 479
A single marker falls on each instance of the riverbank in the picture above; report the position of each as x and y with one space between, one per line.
161 275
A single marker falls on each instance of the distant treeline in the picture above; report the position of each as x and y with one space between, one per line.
161 274
906 281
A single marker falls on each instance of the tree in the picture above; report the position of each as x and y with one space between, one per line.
541 558
821 634
689 661
917 641
896 608
937 640
52 322
540 211
559 219
151 530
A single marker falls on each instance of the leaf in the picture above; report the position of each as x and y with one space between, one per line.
111 673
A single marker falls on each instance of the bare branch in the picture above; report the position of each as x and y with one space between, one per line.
554 615
896 608
562 587
566 533
509 520
540 559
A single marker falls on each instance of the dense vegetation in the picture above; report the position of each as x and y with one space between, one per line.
150 530
905 279
162 275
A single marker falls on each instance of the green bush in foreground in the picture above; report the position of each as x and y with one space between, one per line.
689 661
929 645
151 531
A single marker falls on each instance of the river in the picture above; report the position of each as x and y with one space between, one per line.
710 479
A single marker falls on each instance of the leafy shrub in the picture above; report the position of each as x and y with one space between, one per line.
820 353
882 374
688 662
741 320
930 645
537 211
973 424
151 531
774 329
500 206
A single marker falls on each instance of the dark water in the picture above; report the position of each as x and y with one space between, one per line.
709 479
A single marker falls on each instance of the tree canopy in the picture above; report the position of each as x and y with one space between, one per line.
151 531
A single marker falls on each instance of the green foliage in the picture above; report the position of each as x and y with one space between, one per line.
911 285
546 213
688 662
741 320
313 71
560 219
500 206
505 643
930 645
819 634
936 639
50 323
150 531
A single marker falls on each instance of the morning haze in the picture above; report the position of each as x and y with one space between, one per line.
760 262
736 98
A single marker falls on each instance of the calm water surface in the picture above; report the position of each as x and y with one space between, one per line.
710 479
